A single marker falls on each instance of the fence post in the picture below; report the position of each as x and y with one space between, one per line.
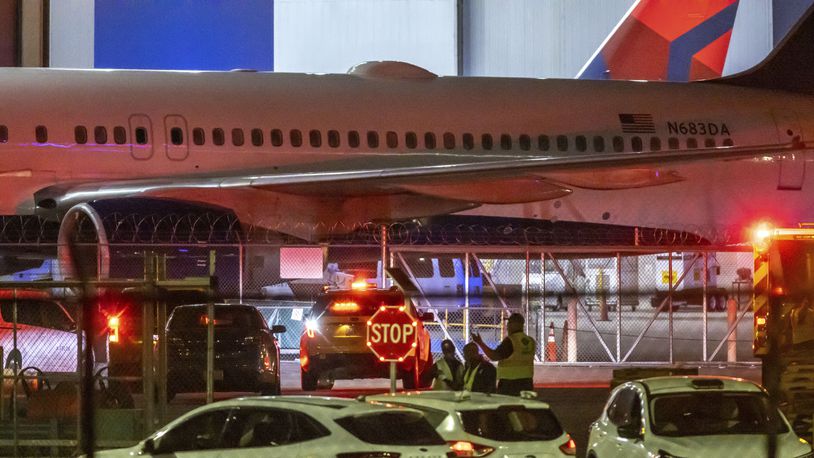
566 339
670 305
383 244
619 307
2 386
466 297
704 305
542 297
732 339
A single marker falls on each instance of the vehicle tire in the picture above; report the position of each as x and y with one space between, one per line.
722 303
118 396
308 380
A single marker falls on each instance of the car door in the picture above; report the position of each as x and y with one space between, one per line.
272 432
603 432
198 436
620 414
633 418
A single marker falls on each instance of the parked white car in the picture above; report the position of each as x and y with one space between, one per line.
46 332
478 424
293 426
691 417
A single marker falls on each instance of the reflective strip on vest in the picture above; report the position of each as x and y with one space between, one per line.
469 377
444 373
520 364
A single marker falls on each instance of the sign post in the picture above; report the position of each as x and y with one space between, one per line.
392 336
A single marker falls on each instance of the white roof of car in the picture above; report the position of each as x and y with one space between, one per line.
680 384
452 400
329 406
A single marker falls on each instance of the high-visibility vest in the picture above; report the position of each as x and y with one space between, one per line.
520 364
444 376
469 377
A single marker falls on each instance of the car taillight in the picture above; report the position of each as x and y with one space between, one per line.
369 455
113 323
569 447
466 448
345 307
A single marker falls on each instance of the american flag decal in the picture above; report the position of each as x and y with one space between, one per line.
637 123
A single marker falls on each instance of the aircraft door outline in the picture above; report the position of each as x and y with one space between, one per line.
176 140
791 175
141 137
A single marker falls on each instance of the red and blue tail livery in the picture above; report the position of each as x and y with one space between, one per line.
666 40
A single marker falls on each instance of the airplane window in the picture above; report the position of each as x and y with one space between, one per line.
315 138
295 138
709 143
176 136
525 142
41 133
599 144
468 141
3 134
353 139
486 141
429 140
672 143
636 143
257 137
562 142
411 140
655 144
618 144
237 136
119 135
276 137
727 142
692 143
333 138
506 141
449 140
218 137
581 143
100 135
198 136
372 139
80 133
543 143
141 135
392 139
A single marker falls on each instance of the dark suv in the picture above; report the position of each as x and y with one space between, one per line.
247 355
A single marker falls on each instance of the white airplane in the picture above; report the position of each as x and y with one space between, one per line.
390 141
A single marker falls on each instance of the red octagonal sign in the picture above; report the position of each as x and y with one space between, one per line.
392 333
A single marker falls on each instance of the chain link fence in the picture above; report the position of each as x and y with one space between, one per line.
179 328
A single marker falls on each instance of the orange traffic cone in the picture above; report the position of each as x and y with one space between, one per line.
551 345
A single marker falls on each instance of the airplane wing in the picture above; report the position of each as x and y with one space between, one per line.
406 186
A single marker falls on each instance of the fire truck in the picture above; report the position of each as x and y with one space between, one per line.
783 306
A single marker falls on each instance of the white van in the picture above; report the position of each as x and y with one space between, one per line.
46 332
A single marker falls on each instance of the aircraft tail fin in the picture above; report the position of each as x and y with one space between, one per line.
789 67
666 40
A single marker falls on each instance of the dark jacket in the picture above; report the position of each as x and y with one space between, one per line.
485 377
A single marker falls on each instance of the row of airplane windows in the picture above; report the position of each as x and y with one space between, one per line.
391 139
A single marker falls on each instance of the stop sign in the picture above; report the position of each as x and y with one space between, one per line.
392 333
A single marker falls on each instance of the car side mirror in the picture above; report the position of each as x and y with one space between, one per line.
148 448
630 431
277 329
427 316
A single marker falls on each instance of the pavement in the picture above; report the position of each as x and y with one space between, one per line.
545 376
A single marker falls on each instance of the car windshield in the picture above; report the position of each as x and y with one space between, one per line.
392 428
225 316
512 424
711 413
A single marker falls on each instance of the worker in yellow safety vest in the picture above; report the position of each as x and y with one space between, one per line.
514 356
447 373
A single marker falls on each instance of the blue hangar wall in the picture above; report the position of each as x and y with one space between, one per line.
165 34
